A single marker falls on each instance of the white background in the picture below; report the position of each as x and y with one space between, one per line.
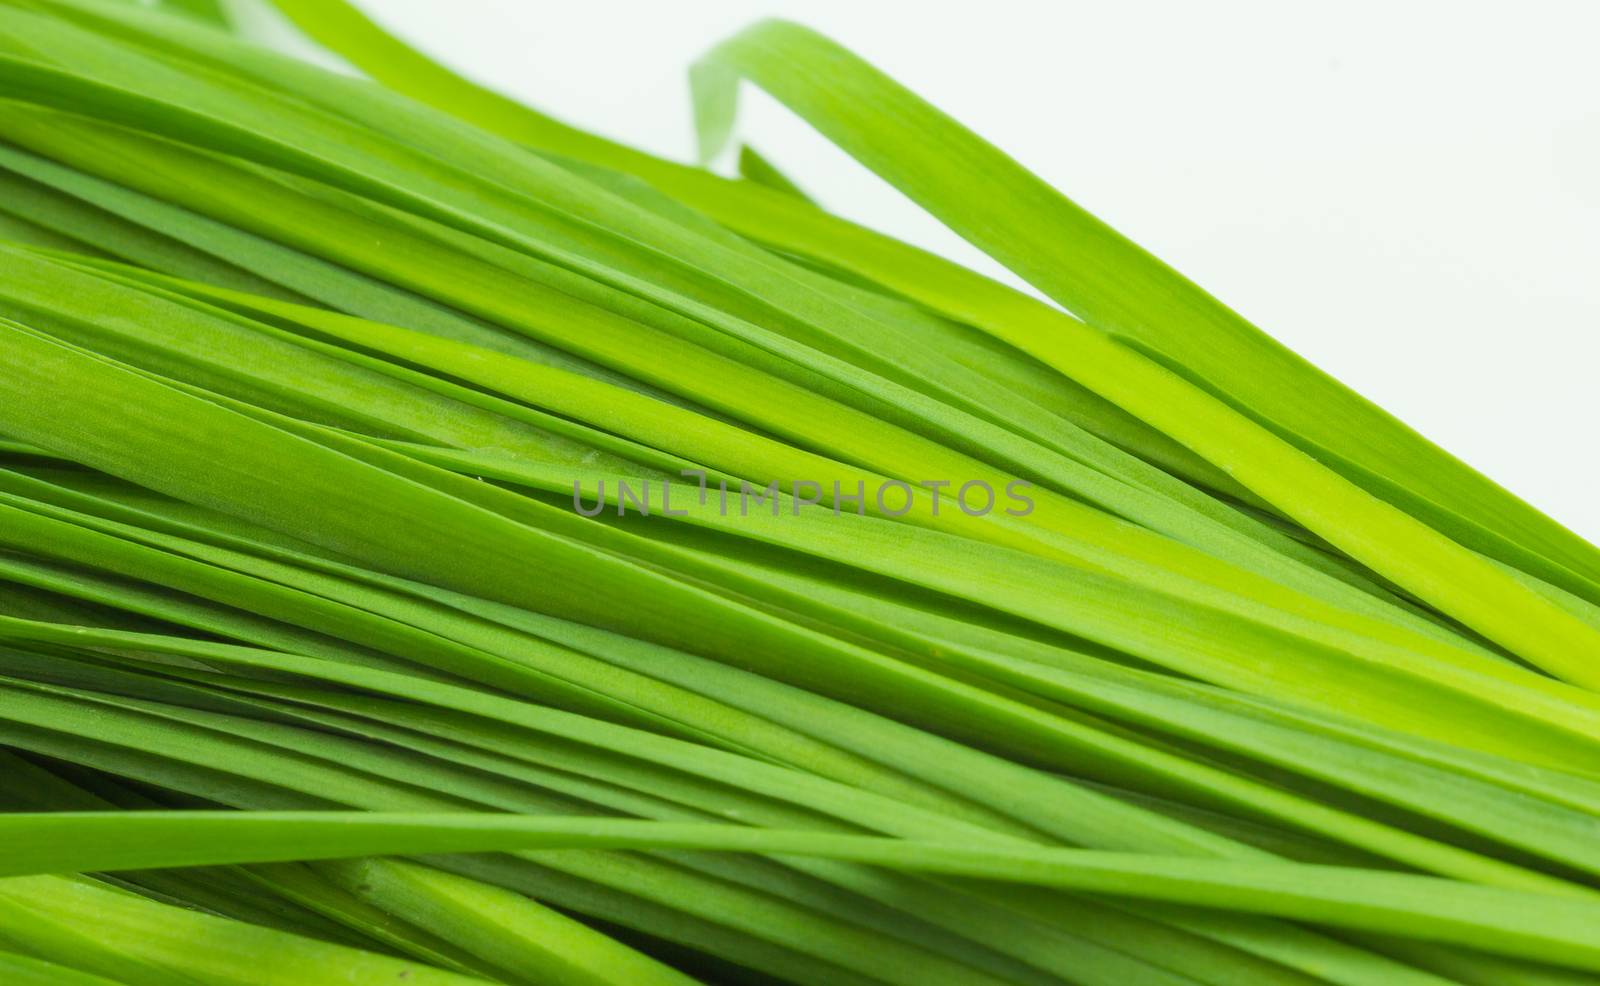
1406 192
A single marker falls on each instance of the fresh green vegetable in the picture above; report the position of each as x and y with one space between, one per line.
439 544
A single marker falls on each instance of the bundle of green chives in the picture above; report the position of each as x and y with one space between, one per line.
441 545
